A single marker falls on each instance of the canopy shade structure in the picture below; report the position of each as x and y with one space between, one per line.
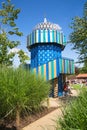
80 76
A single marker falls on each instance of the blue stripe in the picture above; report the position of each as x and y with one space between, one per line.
32 37
56 36
70 66
57 66
48 35
60 89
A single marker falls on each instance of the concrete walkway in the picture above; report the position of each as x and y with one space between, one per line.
48 122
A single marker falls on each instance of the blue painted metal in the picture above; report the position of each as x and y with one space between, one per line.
60 86
41 54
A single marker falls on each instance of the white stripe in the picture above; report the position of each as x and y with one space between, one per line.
46 33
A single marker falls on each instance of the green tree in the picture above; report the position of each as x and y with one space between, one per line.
8 27
84 68
21 92
77 70
79 35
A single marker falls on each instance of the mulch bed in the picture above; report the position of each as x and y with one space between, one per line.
10 125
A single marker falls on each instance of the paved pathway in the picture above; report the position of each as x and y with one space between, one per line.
48 122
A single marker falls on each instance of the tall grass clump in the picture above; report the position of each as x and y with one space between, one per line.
20 91
75 115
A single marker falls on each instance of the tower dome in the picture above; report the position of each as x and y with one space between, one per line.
45 43
47 26
46 32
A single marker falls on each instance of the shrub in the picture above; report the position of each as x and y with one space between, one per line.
75 115
19 91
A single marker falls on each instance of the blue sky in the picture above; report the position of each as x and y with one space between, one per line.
57 11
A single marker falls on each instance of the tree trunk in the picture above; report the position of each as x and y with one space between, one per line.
48 102
17 118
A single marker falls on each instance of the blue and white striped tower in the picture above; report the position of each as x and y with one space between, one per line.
46 43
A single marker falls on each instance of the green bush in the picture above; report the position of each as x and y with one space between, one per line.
75 115
20 91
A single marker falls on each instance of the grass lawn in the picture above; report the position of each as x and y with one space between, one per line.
78 86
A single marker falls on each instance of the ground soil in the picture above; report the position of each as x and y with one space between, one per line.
10 125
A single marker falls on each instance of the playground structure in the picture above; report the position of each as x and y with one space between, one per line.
46 43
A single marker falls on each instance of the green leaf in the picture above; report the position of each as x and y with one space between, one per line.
12 24
78 36
11 32
8 15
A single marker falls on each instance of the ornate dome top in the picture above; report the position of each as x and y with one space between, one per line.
47 26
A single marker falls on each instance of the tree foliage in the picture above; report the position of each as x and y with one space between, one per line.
8 27
77 70
79 35
84 68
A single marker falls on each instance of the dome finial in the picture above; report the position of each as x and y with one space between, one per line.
45 20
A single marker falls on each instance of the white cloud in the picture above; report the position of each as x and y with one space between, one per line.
14 50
